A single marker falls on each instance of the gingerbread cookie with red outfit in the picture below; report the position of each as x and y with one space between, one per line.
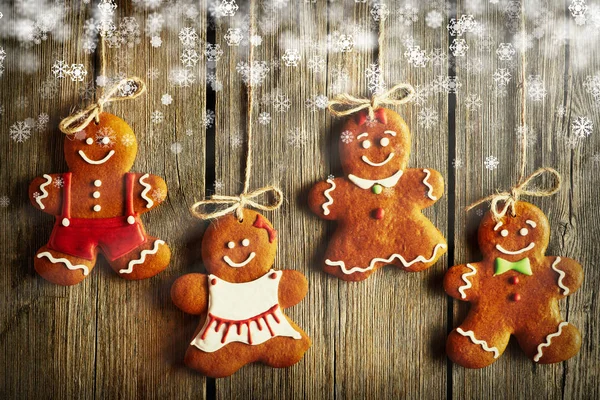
378 204
241 300
514 290
97 205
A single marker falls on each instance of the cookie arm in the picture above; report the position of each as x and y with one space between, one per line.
190 293
568 274
323 198
423 186
461 282
148 192
45 193
293 287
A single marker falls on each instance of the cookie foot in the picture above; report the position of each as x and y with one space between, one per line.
561 343
471 350
61 269
144 262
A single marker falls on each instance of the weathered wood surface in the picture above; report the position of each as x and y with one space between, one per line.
381 338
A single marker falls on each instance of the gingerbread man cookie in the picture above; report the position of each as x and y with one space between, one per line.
514 290
241 300
97 205
378 204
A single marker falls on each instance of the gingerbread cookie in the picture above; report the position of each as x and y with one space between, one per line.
514 290
241 300
97 205
378 203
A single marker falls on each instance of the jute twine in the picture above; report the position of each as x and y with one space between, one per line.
236 204
346 104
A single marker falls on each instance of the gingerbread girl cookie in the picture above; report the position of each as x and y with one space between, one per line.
514 290
378 204
241 300
97 205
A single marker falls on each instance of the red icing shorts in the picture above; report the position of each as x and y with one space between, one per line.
115 236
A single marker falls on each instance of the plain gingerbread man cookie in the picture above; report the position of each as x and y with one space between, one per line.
241 300
378 204
514 290
97 205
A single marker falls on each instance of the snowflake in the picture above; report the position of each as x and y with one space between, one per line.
291 57
264 118
20 132
437 57
408 14
43 120
254 76
491 163
578 8
592 86
475 66
505 51
421 94
129 31
234 36
58 182
4 201
218 185
255 40
155 41
459 47
434 19
416 56
502 76
486 42
389 192
316 64
227 8
235 140
77 72
128 140
188 37
87 91
572 141
296 137
536 90
281 103
157 117
105 137
176 148
208 119
595 159
182 77
473 102
166 99
347 137
154 23
345 43
189 58
454 27
457 163
107 7
128 88
530 136
380 12
60 69
153 73
213 52
523 41
158 195
561 111
582 127
452 84
318 102
427 117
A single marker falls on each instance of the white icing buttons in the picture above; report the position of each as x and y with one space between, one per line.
504 232
89 140
66 222
245 242
96 194
131 220
97 183
97 207
231 245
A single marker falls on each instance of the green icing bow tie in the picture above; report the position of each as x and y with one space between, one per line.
501 266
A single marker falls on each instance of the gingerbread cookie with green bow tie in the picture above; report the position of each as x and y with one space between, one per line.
378 202
514 290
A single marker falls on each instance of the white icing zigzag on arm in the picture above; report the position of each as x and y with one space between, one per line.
43 190
561 275
549 341
147 186
482 343
430 191
142 258
468 284
70 266
328 197
374 261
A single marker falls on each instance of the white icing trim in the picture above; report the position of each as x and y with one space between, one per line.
482 343
561 275
430 191
531 223
523 250
64 261
467 282
94 162
328 197
498 225
390 133
379 164
239 265
147 186
548 341
406 264
44 191
367 183
142 258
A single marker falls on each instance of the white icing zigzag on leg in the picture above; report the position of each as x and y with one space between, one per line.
328 196
482 343
374 261
43 190
142 258
468 284
70 266
561 275
147 186
549 341
430 191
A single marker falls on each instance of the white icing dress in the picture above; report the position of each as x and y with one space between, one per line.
243 312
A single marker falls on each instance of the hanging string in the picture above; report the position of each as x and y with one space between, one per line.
236 204
509 198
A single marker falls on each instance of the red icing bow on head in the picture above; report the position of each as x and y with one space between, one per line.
262 223
379 114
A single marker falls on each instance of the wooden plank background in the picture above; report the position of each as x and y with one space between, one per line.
380 338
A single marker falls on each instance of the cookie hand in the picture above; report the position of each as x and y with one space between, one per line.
568 274
149 191
323 201
45 193
292 288
190 293
424 186
461 282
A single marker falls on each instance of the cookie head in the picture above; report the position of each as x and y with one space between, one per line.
513 238
108 146
239 251
374 149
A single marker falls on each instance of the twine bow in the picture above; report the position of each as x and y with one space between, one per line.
236 204
346 104
80 120
509 198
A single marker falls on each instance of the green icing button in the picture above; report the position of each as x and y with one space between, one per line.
377 189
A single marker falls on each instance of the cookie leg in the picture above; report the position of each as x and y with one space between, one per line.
221 363
282 352
149 259
476 344
61 268
551 341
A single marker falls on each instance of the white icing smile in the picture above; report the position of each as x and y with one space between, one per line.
239 265
96 162
374 164
523 250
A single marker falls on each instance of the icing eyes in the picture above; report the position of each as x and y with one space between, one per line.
245 242
366 144
524 231
231 245
504 233
89 141
384 142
